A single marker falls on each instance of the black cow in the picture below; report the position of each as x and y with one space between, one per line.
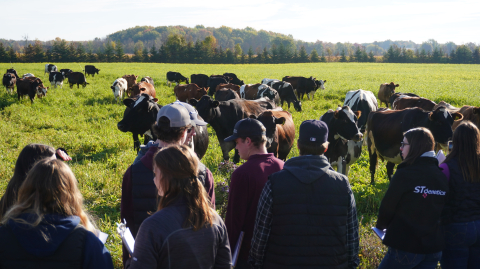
234 79
56 78
141 113
385 130
223 116
77 78
199 79
303 85
13 71
398 94
363 101
286 93
9 81
342 127
90 70
31 87
175 77
213 82
66 72
50 68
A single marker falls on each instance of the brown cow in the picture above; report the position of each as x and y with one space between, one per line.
386 90
471 113
280 131
189 91
31 87
142 87
226 94
405 102
131 80
228 86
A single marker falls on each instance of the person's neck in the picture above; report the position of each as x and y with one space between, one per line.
162 144
261 150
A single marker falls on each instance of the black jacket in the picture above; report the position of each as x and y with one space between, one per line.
412 207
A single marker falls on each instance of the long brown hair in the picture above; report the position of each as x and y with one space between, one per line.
466 147
421 140
50 188
25 161
179 167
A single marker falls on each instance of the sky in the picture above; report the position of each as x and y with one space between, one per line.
329 21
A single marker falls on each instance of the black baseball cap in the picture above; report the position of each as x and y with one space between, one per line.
247 127
313 131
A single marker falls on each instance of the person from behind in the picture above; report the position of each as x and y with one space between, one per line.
25 161
461 215
306 216
47 226
411 208
247 183
185 232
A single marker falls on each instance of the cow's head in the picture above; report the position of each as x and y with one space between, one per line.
205 107
13 71
343 124
440 124
41 91
97 70
84 84
320 84
270 122
391 88
140 113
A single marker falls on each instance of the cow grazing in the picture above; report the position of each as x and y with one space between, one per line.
147 79
280 131
385 130
234 87
187 92
31 87
91 70
399 95
471 113
213 82
141 113
175 77
9 81
234 79
50 68
302 85
363 101
223 115
142 87
199 79
342 128
286 93
28 75
131 80
386 91
420 102
56 79
226 94
77 78
119 87
13 71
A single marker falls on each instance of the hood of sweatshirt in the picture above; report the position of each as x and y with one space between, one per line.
44 239
308 168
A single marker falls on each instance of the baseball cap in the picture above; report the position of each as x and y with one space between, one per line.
315 131
246 128
193 114
177 114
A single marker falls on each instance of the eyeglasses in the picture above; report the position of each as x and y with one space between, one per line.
403 144
189 130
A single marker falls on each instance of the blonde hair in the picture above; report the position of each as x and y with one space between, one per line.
50 188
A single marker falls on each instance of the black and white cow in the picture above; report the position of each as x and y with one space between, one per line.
50 68
234 79
27 75
286 92
56 79
342 127
9 80
13 71
175 77
269 80
269 92
363 101
147 79
119 87
66 72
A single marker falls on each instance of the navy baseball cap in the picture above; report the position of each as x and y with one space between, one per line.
246 128
313 131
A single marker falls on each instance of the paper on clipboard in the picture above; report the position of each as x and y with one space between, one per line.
440 157
236 253
379 233
126 236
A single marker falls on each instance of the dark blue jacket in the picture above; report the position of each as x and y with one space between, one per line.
58 228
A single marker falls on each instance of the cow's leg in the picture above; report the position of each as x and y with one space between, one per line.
136 142
71 85
390 167
373 166
236 157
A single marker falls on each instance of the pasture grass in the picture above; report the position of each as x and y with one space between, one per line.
83 121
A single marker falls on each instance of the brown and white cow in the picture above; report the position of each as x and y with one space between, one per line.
189 91
9 81
471 113
226 94
142 87
385 130
131 80
403 102
386 90
280 131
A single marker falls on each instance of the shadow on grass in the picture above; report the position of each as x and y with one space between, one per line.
101 210
89 154
7 99
100 101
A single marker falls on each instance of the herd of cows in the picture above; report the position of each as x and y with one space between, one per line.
222 100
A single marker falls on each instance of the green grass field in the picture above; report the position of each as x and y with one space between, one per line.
84 121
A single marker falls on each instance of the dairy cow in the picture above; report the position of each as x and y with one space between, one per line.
226 94
9 81
91 70
386 91
187 92
142 87
399 95
232 86
50 68
31 87
363 101
147 79
13 71
213 82
175 77
56 79
406 102
385 130
131 80
286 93
77 78
119 87
303 85
234 79
28 75
199 79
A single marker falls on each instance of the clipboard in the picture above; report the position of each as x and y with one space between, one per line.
127 238
379 233
236 253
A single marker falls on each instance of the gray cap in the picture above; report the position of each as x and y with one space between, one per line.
193 114
177 114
